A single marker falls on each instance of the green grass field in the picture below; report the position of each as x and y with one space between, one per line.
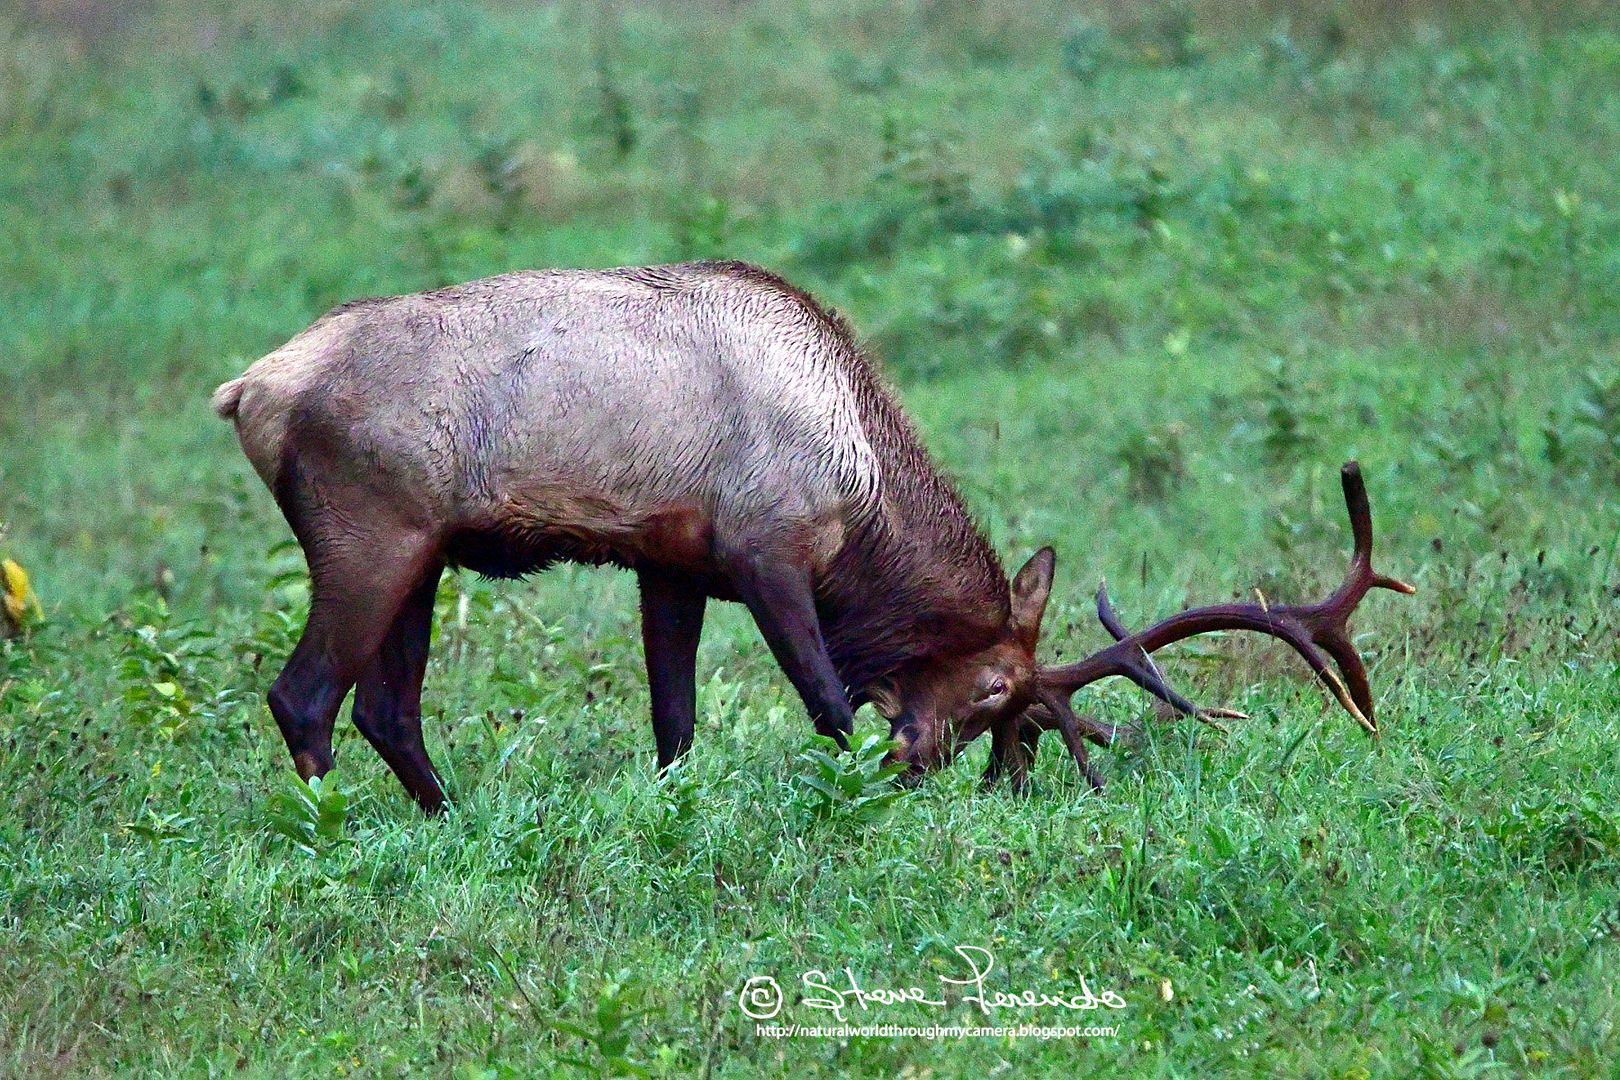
1143 279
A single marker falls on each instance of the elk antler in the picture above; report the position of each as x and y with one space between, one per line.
1317 632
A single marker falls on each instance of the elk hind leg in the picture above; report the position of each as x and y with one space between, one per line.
357 586
388 697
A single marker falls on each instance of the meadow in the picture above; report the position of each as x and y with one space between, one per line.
1144 275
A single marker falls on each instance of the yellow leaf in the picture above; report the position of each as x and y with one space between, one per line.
1166 991
19 596
16 578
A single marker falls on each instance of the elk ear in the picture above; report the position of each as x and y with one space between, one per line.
1030 590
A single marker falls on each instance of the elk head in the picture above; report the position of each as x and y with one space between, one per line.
937 709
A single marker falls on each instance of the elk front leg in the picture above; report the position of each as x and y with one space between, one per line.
671 623
778 593
388 697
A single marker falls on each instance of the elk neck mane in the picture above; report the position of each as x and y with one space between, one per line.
916 579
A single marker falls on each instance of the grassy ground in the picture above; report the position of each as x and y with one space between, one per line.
1144 282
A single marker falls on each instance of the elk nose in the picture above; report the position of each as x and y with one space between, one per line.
900 733
904 751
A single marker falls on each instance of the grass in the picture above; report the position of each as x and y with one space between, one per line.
1144 282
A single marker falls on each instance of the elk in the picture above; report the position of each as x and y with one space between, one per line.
715 430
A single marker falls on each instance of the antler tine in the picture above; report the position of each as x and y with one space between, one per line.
1362 576
1319 632
1106 615
1138 666
1069 726
1110 620
1042 717
1327 623
1013 744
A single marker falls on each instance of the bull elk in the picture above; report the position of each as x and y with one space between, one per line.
718 432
